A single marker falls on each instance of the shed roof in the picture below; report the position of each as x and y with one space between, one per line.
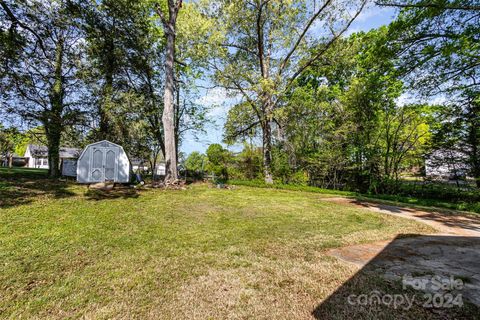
102 143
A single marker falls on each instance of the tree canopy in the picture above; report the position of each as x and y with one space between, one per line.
312 101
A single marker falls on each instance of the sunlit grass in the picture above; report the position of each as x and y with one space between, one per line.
198 253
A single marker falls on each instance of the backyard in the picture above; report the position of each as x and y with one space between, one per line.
202 253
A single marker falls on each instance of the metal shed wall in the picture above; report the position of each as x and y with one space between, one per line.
93 163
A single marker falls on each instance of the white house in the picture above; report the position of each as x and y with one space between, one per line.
447 164
139 165
142 166
38 155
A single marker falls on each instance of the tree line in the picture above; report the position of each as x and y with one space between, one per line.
313 102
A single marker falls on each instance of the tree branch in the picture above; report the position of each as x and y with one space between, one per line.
14 20
429 5
327 46
302 35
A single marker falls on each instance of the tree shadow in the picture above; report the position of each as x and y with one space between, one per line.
19 188
413 277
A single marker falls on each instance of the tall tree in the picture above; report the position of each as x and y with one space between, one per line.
104 23
341 123
42 83
168 15
265 50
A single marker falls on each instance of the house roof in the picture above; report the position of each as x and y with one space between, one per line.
137 161
42 151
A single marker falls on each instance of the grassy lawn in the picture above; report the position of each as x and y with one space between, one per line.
446 196
199 253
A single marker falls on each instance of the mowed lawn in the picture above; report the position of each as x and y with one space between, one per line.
201 253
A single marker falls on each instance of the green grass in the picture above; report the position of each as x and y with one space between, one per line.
205 253
460 205
293 187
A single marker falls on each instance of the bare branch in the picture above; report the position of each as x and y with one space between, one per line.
326 47
302 35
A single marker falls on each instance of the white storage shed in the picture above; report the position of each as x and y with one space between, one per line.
103 161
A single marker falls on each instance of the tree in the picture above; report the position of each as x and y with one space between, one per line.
342 124
405 132
218 159
265 50
169 22
195 162
105 23
457 132
9 140
437 42
41 83
249 162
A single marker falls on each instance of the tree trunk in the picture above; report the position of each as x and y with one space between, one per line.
474 140
53 124
267 138
105 128
267 152
10 160
171 173
104 122
177 118
53 143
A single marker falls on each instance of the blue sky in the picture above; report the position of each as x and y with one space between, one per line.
216 99
371 18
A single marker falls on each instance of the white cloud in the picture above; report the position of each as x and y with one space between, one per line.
410 98
218 101
438 100
215 96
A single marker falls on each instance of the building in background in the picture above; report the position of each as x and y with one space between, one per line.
37 156
447 164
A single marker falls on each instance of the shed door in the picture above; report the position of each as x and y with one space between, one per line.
103 165
96 165
110 164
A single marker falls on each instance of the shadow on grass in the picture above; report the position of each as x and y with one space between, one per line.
403 280
19 187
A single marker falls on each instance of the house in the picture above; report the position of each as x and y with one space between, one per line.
142 166
37 156
139 165
447 164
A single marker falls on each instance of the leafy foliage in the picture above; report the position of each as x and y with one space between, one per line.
218 159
